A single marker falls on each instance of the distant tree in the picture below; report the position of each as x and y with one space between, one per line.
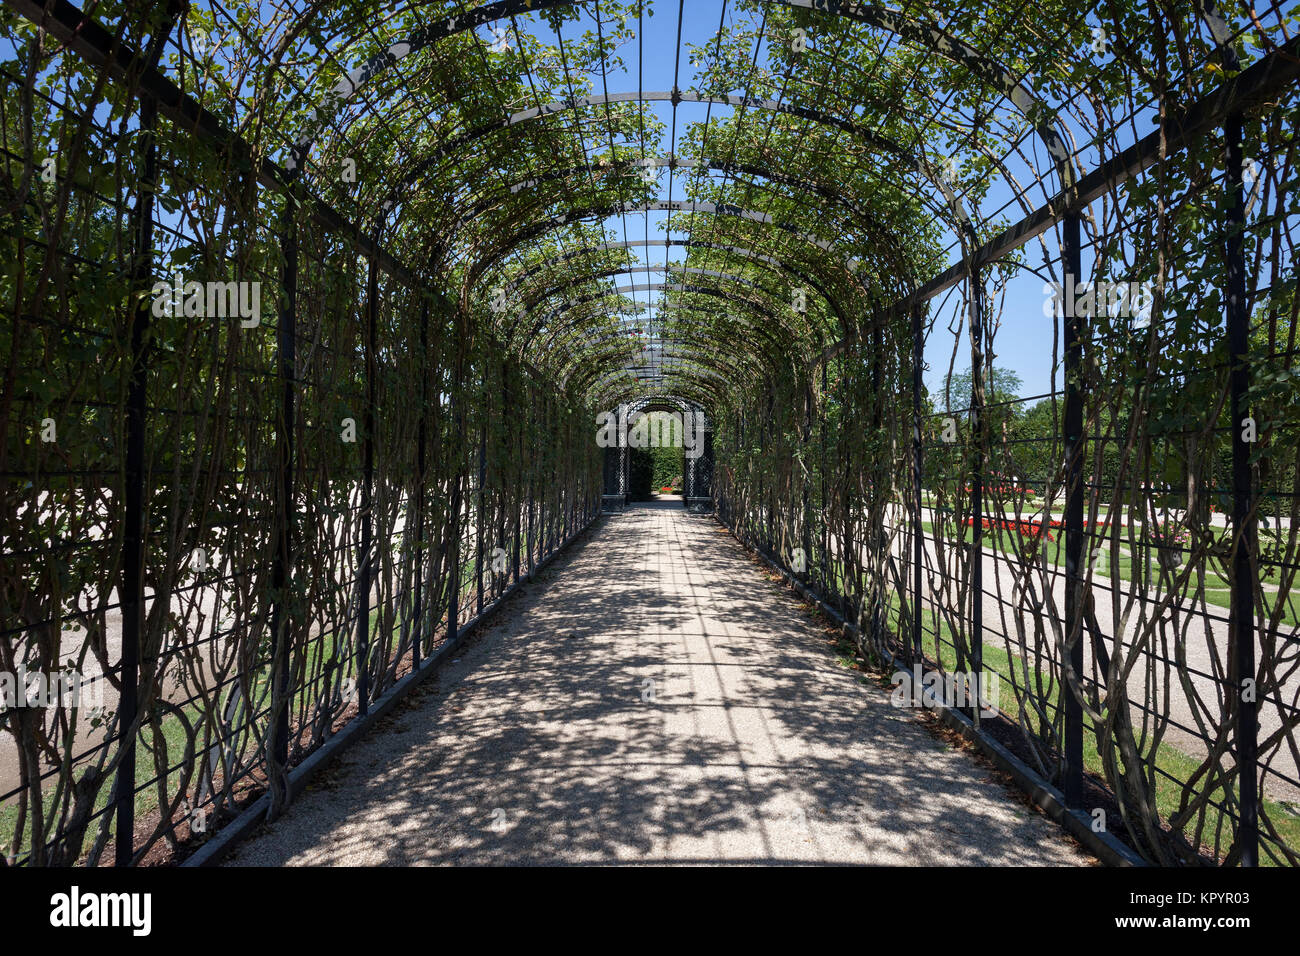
1001 385
947 458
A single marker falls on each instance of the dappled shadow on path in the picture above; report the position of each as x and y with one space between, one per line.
652 698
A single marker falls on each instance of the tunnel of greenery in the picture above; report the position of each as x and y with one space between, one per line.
313 308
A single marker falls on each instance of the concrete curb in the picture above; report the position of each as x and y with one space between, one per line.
254 815
1106 847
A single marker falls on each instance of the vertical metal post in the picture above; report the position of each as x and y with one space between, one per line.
704 482
624 462
457 486
552 478
557 483
918 464
561 478
481 494
577 481
367 493
286 340
1074 451
502 496
623 465
532 479
976 556
827 574
519 488
571 479
560 471
1245 545
879 500
805 517
688 463
417 610
771 530
134 493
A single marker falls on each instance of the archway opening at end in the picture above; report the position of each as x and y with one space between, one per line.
656 450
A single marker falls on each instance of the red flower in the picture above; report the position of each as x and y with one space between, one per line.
1027 528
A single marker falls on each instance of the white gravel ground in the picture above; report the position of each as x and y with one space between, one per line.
653 699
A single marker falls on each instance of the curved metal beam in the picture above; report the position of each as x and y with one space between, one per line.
670 269
931 37
915 161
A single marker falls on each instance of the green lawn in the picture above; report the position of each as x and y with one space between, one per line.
1216 590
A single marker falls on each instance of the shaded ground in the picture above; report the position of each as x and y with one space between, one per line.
653 699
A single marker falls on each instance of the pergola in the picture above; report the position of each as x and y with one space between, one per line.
248 533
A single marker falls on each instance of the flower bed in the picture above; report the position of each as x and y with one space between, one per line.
1027 528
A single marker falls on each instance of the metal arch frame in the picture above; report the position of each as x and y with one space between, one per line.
861 216
613 346
584 299
758 355
643 406
770 261
930 37
690 353
561 336
628 270
678 287
947 46
857 213
538 228
613 393
689 368
956 208
761 356
673 161
732 250
583 371
964 227
743 252
701 381
541 226
587 375
606 379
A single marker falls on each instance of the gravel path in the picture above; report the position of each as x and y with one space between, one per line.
653 699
